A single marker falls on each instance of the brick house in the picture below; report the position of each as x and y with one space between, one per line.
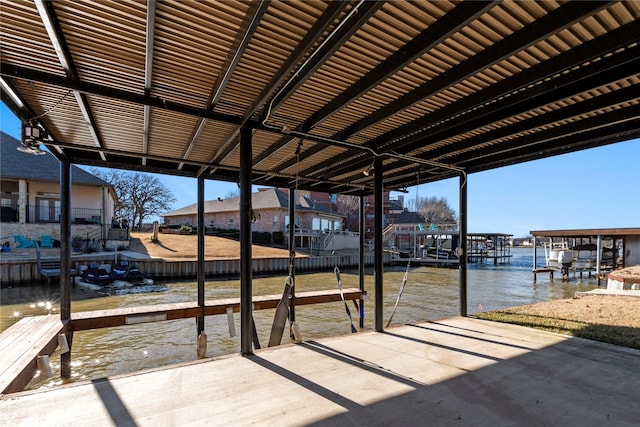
314 221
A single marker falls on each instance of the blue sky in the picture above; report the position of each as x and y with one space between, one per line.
595 188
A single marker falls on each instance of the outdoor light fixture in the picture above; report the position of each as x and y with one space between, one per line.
32 136
30 132
368 171
31 149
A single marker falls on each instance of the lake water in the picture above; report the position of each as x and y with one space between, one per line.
430 294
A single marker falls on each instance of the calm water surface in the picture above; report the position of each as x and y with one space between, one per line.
430 294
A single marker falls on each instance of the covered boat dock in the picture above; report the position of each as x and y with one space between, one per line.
593 251
342 97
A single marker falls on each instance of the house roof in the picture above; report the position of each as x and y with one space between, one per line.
268 198
15 164
430 88
588 232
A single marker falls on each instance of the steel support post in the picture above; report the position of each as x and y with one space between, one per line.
378 236
201 253
292 255
65 260
246 286
361 217
463 244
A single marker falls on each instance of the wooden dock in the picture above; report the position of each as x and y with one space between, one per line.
457 371
20 346
30 337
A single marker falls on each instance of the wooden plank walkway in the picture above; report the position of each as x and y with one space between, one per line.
20 346
457 371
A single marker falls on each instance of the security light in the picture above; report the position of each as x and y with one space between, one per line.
368 171
32 136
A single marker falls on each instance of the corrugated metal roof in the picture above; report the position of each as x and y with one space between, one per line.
431 87
588 232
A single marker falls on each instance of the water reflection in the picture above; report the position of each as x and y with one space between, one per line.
430 294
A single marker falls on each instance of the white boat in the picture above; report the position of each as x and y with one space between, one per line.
583 257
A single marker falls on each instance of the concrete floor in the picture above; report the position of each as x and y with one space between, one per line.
457 371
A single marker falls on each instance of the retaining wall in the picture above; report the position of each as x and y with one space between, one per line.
17 271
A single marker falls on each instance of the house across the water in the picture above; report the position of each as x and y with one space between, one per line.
30 201
317 225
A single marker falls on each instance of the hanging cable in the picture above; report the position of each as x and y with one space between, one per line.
406 273
294 328
346 307
52 108
285 307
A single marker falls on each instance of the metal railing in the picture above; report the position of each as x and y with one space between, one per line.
50 214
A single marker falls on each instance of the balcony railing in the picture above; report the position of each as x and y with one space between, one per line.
47 214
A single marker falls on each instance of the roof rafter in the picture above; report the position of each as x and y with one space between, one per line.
596 103
599 73
243 38
615 126
311 38
480 108
56 35
364 10
433 35
560 18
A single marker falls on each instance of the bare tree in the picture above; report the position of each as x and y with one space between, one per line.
118 179
348 205
436 210
139 195
232 194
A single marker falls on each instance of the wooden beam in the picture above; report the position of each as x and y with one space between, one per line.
144 314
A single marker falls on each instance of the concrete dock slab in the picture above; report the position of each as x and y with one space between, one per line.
456 371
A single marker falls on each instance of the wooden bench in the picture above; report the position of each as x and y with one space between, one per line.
20 346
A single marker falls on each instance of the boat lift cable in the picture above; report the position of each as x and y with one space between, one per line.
294 328
283 311
404 282
406 273
346 307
